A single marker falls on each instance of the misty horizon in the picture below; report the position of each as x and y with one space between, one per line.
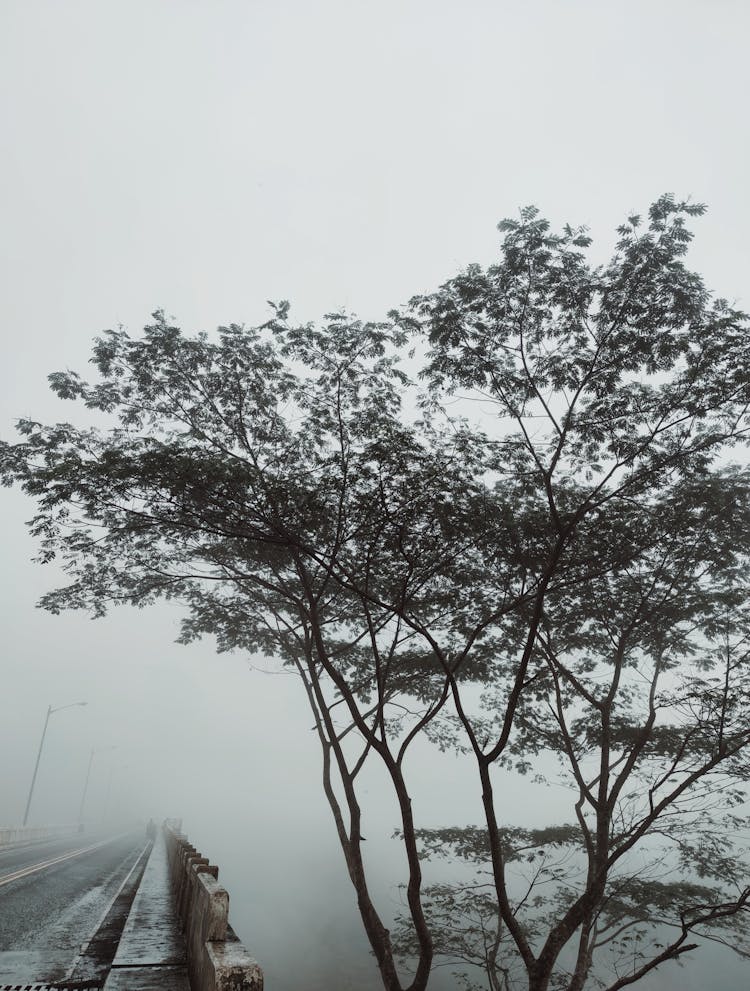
205 159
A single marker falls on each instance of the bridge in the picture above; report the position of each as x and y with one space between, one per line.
121 912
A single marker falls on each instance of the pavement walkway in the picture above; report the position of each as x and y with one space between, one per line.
151 954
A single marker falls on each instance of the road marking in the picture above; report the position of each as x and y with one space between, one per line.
26 871
85 946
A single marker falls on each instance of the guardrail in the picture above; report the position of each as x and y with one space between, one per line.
30 834
217 960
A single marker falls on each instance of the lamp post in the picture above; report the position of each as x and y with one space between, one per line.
50 710
121 767
94 750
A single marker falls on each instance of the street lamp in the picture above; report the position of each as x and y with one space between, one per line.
94 750
121 767
50 710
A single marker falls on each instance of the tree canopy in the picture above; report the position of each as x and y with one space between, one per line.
507 518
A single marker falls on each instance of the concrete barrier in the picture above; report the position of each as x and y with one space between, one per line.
11 835
217 960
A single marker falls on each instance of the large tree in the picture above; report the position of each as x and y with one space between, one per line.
505 519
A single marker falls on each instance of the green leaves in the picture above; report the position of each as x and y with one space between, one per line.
520 482
470 843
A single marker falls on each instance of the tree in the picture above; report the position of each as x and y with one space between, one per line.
557 573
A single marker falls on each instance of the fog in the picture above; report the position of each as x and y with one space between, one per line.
206 157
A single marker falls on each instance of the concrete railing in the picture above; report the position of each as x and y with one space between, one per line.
217 961
32 834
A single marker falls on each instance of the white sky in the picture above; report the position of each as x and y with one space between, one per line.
207 156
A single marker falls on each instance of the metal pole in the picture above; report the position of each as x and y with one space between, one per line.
50 710
94 752
109 792
86 786
36 767
121 767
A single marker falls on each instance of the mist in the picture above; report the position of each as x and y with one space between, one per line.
206 158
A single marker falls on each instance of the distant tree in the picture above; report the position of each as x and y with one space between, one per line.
523 539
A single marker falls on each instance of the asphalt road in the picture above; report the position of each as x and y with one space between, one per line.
48 915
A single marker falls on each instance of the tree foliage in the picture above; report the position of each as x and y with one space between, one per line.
506 519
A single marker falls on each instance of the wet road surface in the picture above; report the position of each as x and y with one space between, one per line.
48 915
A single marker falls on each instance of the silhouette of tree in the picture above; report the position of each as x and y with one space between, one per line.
504 519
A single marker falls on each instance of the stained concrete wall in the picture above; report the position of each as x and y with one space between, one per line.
217 960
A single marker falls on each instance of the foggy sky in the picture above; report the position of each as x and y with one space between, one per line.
205 157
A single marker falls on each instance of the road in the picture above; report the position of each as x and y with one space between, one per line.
54 896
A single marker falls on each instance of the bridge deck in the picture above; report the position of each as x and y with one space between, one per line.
151 954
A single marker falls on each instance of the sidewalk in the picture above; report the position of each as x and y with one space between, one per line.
151 955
